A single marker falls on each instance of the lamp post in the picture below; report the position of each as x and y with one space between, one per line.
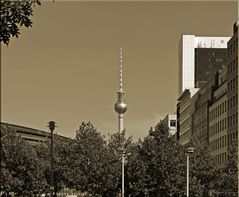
189 150
124 160
1 182
123 173
51 126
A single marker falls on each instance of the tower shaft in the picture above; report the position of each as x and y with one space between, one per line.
120 122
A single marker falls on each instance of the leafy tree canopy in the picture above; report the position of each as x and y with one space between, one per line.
15 14
22 170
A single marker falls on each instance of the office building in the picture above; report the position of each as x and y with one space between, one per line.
207 62
205 46
232 102
213 109
218 118
33 136
185 107
200 113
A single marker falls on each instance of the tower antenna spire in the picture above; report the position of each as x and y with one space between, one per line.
121 71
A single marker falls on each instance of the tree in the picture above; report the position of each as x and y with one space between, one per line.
229 181
203 169
60 152
118 144
15 14
22 170
159 167
90 161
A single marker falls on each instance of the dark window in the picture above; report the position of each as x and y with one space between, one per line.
172 123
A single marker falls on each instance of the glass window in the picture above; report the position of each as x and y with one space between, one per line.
234 119
172 123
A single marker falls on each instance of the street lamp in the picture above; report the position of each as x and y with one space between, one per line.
189 150
51 126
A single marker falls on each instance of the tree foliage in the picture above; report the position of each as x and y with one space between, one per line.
22 170
154 166
15 14
159 167
228 183
119 144
91 161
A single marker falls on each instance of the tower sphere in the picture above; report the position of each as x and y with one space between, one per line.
120 107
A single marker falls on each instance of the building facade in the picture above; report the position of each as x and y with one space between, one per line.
232 103
207 62
188 44
214 108
218 119
171 121
200 115
33 136
185 113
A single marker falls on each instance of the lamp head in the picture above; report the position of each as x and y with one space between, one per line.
51 125
190 149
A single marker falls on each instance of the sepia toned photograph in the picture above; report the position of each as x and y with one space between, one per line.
130 98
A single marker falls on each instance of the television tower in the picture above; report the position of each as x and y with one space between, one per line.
121 108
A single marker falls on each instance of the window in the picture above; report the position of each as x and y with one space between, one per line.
234 65
172 123
234 135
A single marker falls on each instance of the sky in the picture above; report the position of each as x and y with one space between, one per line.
65 68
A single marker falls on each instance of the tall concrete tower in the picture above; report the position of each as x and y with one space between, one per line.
120 105
121 108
